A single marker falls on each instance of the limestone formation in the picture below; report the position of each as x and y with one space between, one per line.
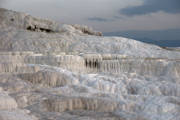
50 71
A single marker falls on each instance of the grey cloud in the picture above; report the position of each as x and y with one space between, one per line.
151 6
118 17
1 2
98 19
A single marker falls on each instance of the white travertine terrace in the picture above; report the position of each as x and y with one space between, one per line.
50 71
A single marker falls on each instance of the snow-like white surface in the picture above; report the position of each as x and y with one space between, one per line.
61 72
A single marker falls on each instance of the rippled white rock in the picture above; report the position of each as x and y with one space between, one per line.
50 71
7 102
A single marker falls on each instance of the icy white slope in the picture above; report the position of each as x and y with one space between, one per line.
50 71
17 36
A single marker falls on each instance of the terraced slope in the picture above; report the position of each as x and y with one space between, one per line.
50 71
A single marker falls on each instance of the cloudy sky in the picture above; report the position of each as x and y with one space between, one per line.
105 15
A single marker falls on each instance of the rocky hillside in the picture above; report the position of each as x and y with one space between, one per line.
52 71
